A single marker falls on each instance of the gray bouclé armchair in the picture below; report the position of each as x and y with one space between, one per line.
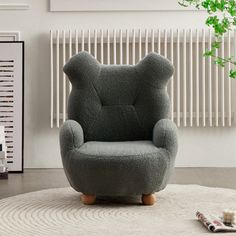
118 140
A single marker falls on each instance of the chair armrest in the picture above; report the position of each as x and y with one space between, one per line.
71 136
165 136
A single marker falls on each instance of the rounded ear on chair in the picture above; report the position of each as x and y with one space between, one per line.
81 67
156 69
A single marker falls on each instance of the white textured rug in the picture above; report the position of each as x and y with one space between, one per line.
60 212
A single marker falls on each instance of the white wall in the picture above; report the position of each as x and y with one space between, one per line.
198 146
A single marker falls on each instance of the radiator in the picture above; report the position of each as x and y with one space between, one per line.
200 92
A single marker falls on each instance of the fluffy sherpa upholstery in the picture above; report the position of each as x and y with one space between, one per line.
117 140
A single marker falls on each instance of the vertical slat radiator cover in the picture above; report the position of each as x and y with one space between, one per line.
200 92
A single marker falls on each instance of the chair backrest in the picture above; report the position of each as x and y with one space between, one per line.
118 102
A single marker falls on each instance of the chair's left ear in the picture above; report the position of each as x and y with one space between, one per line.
82 68
155 69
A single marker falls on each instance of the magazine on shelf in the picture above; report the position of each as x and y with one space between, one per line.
215 224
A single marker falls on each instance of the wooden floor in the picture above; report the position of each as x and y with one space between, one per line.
37 179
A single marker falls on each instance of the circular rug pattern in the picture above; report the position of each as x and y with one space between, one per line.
60 212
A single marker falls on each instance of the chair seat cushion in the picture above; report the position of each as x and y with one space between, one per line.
117 168
116 149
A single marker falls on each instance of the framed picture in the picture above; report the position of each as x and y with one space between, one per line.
9 35
120 5
11 101
13 6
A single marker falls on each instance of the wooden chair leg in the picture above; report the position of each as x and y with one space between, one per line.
148 199
88 199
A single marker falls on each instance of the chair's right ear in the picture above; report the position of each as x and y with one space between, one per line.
82 68
156 69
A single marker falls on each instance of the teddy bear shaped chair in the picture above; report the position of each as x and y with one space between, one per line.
118 140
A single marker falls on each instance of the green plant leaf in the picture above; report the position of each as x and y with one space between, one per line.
232 74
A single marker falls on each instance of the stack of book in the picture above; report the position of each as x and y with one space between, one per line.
3 157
